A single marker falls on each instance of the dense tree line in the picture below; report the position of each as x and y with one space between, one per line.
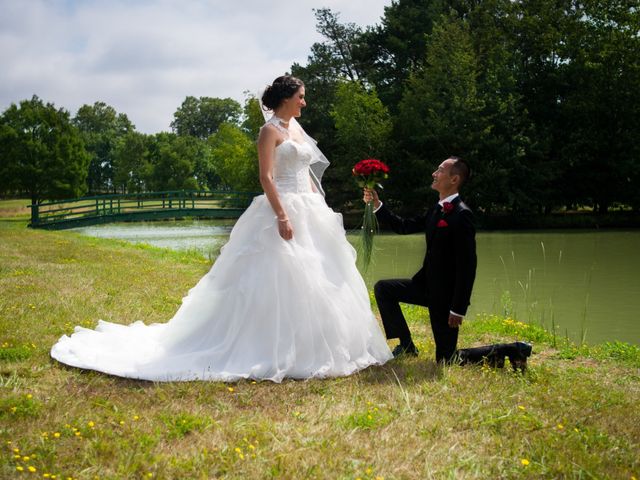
47 154
540 96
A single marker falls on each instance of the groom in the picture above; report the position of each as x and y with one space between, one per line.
445 281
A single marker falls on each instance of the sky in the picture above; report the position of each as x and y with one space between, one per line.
144 57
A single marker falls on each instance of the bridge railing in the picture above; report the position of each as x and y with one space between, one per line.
61 211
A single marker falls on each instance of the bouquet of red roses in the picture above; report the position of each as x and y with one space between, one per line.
368 174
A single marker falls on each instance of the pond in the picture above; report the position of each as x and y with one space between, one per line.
585 283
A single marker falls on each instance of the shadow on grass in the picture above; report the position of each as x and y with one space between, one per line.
116 381
403 371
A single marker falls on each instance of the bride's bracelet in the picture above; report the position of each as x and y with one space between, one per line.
283 220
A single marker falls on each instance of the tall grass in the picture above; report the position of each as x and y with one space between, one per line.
573 414
522 299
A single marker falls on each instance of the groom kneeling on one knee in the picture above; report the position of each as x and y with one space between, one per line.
445 281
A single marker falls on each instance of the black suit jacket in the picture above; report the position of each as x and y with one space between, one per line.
449 267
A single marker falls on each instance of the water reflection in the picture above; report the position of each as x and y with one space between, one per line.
202 236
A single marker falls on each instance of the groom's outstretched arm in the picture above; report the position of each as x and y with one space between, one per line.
401 225
398 224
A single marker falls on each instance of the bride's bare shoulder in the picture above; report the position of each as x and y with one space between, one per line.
269 134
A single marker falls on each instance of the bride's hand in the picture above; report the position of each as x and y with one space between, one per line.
285 229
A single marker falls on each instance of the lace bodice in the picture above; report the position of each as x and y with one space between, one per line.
291 168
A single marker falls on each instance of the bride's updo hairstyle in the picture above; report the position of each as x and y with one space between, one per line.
282 87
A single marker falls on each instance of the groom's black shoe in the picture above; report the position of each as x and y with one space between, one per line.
408 349
494 355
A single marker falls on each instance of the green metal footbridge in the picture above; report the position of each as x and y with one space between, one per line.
133 207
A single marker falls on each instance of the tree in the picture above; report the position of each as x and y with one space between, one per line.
173 159
41 152
235 158
131 167
363 130
201 117
341 39
389 52
101 127
600 106
509 168
253 117
441 110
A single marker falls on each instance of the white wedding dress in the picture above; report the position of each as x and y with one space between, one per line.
267 309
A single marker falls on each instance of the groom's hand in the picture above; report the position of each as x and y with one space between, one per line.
371 194
455 320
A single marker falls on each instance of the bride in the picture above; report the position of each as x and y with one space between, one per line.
283 299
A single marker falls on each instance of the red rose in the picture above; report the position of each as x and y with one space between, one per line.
370 166
442 223
447 207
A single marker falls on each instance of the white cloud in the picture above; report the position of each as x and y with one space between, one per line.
143 57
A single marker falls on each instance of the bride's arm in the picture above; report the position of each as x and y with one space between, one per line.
266 151
313 185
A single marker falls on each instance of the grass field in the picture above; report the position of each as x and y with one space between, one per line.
573 414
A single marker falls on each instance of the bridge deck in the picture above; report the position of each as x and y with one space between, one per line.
137 207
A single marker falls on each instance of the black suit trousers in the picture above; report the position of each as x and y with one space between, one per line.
390 293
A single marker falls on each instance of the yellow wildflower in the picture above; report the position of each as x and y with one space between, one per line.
521 407
19 468
91 424
56 434
32 469
29 396
230 389
238 450
560 426
16 450
25 459
136 418
524 462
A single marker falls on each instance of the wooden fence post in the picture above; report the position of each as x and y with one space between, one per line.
35 214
